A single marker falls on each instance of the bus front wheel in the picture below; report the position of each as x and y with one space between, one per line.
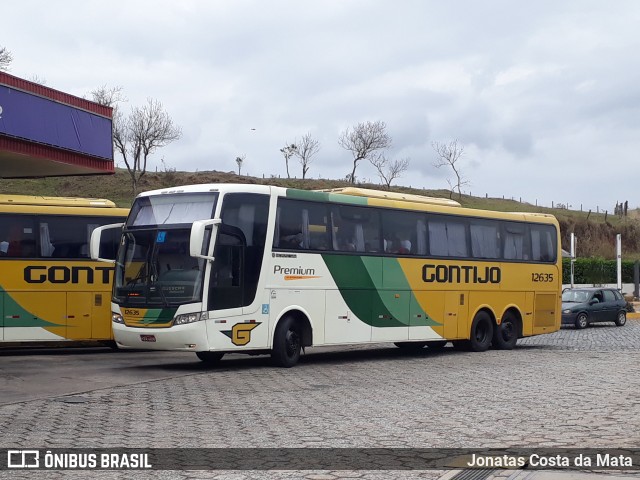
287 343
210 358
481 332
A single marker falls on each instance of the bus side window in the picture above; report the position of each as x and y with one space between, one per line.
447 237
301 225
404 233
485 238
515 243
356 229
543 246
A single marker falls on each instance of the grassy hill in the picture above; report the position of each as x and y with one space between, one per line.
595 231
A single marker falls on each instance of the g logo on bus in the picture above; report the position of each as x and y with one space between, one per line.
240 333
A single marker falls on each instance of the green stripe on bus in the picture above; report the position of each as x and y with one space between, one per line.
158 315
360 281
24 318
325 197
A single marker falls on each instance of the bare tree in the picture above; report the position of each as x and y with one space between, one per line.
362 141
288 151
5 58
139 134
109 97
306 149
240 161
389 170
449 154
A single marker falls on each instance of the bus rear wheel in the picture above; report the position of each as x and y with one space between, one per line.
287 343
210 358
505 335
481 332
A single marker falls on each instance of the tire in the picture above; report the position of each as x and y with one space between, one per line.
210 358
436 344
622 318
287 343
582 320
505 335
481 332
410 346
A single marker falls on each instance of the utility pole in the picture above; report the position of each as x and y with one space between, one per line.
573 255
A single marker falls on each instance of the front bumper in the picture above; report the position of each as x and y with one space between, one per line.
191 337
569 318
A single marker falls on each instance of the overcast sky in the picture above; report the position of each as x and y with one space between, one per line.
544 96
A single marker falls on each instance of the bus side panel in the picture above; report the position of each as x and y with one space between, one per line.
101 316
423 325
79 315
343 325
308 301
44 320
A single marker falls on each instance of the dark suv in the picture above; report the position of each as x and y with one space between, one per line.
583 306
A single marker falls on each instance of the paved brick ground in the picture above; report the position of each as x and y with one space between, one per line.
574 388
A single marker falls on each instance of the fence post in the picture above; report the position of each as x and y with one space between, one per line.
636 279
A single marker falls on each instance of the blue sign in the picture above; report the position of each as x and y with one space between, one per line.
38 119
160 238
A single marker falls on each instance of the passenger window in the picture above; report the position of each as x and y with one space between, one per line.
543 245
485 239
609 296
516 245
356 229
301 226
447 238
403 233
18 236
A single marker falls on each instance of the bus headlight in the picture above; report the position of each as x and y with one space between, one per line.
116 318
189 318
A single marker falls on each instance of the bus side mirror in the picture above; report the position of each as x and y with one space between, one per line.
96 237
198 234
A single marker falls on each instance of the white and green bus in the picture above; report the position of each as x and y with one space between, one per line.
224 268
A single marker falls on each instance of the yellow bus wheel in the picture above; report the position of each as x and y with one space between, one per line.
505 335
481 332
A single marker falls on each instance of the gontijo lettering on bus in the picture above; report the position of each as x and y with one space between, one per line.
64 274
460 274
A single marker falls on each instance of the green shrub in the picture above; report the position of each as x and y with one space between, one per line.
596 271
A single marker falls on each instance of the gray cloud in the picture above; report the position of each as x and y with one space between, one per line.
540 93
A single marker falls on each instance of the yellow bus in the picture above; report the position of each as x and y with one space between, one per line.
50 288
222 268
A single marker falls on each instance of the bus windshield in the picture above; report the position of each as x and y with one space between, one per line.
153 266
172 209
